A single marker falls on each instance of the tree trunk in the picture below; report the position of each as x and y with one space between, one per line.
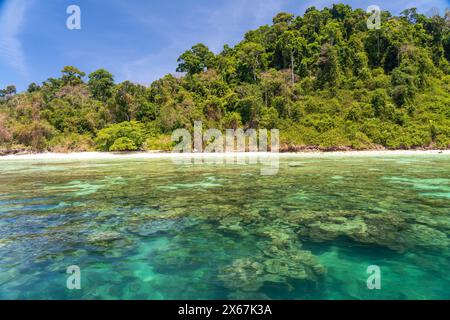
292 68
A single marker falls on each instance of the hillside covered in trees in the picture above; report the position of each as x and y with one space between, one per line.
323 79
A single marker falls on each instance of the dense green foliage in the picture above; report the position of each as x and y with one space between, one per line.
125 136
323 79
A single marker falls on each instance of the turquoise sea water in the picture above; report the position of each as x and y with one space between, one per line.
152 229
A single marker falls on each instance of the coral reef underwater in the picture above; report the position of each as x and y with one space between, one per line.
151 229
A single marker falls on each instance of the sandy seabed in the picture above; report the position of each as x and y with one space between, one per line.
158 155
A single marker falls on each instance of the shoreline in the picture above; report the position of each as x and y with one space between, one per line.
159 155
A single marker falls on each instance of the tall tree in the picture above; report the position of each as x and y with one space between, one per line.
129 101
33 87
72 76
101 83
253 58
328 64
197 59
292 44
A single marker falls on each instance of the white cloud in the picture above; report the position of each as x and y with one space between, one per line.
150 67
225 23
11 22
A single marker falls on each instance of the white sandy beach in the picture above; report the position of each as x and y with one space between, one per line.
158 155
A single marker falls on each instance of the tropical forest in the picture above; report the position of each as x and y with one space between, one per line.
323 78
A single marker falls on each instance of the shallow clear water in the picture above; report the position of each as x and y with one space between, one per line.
152 229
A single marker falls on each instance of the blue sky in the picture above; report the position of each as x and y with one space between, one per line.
137 40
